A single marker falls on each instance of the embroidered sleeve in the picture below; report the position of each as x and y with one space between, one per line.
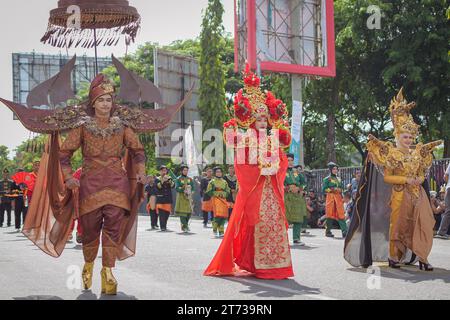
136 149
210 189
179 186
69 146
426 153
326 186
390 178
379 151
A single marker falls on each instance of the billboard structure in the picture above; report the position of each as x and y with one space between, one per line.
30 69
289 36
175 74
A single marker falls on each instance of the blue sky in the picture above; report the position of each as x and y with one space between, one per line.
25 21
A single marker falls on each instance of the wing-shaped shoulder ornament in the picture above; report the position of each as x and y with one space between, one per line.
57 90
383 154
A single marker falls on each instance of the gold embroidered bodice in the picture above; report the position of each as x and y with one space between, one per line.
102 145
261 150
399 165
104 180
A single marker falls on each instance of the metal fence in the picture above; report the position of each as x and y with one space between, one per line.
315 177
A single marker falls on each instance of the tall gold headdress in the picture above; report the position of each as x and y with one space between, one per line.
401 117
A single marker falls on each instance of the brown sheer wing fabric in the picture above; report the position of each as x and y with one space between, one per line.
128 229
55 90
51 211
134 88
414 227
158 119
32 118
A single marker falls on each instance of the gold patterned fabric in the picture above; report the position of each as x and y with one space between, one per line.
104 180
271 238
411 213
399 165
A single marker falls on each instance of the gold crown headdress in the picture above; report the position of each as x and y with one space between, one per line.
401 117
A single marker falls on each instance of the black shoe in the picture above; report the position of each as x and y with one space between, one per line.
296 241
426 266
329 235
393 264
412 260
344 235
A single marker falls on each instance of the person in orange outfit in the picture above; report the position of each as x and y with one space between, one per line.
334 210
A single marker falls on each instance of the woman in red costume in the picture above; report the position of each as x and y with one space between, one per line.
256 239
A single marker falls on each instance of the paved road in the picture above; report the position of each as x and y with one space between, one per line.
170 265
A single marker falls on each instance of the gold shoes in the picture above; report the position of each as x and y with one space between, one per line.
87 275
109 283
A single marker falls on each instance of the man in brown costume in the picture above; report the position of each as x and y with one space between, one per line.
110 190
104 186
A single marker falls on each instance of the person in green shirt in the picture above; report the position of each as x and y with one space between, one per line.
333 187
184 187
219 191
294 201
304 184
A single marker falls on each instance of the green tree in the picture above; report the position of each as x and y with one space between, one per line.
212 100
409 50
5 162
29 151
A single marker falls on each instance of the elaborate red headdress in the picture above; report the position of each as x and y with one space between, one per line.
251 102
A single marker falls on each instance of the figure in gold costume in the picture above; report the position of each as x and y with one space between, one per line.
392 217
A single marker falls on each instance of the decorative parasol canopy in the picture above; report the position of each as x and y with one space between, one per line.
101 22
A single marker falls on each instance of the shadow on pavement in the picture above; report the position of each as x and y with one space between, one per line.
76 247
306 247
273 288
38 297
89 295
410 273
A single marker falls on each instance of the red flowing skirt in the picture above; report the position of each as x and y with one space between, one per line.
256 240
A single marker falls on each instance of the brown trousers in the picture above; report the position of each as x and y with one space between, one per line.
107 221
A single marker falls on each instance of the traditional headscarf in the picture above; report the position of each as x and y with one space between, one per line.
99 87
